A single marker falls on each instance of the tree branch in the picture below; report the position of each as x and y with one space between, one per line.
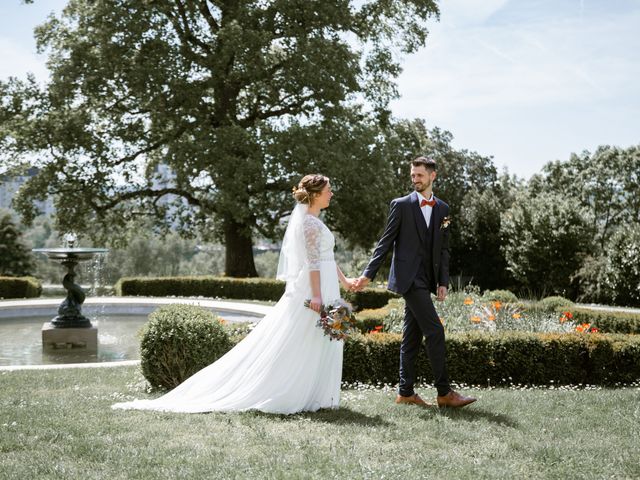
149 192
152 147
205 11
186 38
189 35
290 109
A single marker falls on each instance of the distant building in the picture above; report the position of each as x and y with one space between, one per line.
10 185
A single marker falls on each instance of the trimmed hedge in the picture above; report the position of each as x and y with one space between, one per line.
174 349
20 287
178 341
608 321
203 286
236 288
510 358
369 298
367 320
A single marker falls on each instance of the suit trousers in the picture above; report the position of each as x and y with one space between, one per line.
421 320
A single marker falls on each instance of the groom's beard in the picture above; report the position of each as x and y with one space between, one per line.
421 187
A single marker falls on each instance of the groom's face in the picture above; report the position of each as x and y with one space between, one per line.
422 178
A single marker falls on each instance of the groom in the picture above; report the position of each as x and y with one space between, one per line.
418 230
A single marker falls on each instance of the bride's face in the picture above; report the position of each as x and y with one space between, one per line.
324 198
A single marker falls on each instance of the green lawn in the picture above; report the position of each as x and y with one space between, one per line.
58 424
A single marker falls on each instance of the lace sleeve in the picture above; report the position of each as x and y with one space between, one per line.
312 231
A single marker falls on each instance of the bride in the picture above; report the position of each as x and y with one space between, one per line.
286 364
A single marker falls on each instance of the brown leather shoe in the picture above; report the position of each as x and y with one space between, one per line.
454 400
413 400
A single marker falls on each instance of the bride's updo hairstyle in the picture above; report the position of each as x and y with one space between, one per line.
309 187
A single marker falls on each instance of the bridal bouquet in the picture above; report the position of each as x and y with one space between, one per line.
336 320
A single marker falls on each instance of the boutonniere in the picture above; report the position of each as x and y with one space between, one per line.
445 222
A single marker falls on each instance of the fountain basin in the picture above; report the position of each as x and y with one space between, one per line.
118 319
77 253
128 306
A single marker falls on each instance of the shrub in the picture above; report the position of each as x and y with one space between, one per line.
553 304
369 319
509 358
173 350
205 286
237 288
178 341
504 296
19 287
369 298
608 321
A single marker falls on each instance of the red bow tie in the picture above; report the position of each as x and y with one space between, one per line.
431 202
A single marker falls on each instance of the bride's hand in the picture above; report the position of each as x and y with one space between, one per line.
315 304
349 284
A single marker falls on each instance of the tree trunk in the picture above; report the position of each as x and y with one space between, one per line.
239 251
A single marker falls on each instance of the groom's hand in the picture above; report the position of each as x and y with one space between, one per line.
442 293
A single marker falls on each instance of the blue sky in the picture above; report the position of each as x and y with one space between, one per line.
524 81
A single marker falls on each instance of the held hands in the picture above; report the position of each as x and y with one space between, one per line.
348 284
359 283
441 293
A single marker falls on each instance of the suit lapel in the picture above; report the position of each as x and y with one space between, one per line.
418 217
435 224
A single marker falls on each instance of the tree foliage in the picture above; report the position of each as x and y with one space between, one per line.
622 271
237 99
605 183
15 258
479 248
545 241
614 277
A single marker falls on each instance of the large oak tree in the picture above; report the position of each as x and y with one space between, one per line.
204 113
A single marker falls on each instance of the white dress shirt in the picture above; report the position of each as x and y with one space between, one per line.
426 210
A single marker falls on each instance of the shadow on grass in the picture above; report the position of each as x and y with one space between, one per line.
474 414
341 416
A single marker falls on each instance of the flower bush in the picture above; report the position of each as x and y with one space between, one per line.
469 311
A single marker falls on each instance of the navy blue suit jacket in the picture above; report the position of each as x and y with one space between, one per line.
405 233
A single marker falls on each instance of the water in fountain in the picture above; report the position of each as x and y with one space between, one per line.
69 240
93 272
117 339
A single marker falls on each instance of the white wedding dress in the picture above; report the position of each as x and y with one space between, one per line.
286 364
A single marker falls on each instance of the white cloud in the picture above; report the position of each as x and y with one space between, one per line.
469 12
528 85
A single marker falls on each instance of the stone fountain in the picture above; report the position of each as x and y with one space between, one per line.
70 329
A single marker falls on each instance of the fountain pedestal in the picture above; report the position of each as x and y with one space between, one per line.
70 329
55 338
